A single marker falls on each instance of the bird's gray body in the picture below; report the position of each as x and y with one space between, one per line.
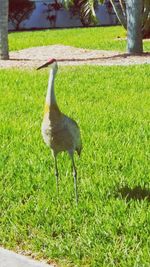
61 133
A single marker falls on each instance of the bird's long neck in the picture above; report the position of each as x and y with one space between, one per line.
51 107
50 97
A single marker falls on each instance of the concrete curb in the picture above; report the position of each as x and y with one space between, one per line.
12 259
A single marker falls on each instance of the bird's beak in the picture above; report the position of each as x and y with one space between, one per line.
43 66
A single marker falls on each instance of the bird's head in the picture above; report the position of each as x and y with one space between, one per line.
51 62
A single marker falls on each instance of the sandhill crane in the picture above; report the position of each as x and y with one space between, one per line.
59 132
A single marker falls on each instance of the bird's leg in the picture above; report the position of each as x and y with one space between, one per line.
75 178
56 174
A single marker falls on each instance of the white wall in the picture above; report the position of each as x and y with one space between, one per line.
64 20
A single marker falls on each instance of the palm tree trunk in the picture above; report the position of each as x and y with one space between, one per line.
134 26
4 52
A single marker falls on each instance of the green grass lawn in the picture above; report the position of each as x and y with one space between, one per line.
111 225
93 38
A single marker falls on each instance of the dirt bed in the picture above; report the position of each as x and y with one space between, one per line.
67 55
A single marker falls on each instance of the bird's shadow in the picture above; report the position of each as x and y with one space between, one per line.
136 193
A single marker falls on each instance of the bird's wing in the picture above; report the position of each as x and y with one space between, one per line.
74 131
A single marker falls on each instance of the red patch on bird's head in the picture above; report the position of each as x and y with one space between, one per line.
51 60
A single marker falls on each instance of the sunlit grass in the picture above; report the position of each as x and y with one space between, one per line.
93 38
111 105
105 38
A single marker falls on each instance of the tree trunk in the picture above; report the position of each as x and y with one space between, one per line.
134 26
4 52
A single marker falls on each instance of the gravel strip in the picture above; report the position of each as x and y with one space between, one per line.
67 55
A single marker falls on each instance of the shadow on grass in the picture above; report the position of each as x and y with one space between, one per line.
136 193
